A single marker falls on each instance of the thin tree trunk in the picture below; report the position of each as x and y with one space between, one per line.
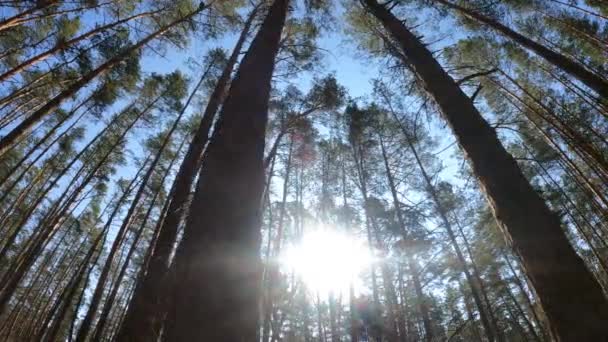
421 298
11 137
486 322
11 280
24 172
19 17
578 8
569 294
333 328
273 272
587 77
64 45
359 162
354 333
88 320
101 322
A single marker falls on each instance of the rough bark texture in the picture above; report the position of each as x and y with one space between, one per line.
218 269
568 292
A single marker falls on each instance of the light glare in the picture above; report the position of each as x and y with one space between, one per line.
327 260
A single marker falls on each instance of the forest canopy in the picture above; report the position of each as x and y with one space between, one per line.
304 170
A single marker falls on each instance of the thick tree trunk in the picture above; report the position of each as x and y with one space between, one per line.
587 77
142 319
218 268
39 114
143 314
568 292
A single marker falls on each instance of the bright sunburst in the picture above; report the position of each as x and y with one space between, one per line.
327 260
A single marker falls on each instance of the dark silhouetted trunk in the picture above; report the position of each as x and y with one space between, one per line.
421 298
99 290
110 300
144 315
218 271
568 292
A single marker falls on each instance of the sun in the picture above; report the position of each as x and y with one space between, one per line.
327 260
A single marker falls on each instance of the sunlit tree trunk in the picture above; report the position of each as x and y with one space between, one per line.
18 18
11 137
62 46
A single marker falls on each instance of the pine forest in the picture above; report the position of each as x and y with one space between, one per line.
304 170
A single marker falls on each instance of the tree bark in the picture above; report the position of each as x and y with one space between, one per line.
568 292
216 293
421 298
87 321
142 320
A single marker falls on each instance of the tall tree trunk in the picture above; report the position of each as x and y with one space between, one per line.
587 77
422 304
143 313
10 281
12 136
333 324
531 308
578 8
84 275
443 215
103 317
353 329
568 292
272 270
359 163
34 148
99 290
216 292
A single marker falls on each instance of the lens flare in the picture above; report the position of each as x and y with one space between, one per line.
327 260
